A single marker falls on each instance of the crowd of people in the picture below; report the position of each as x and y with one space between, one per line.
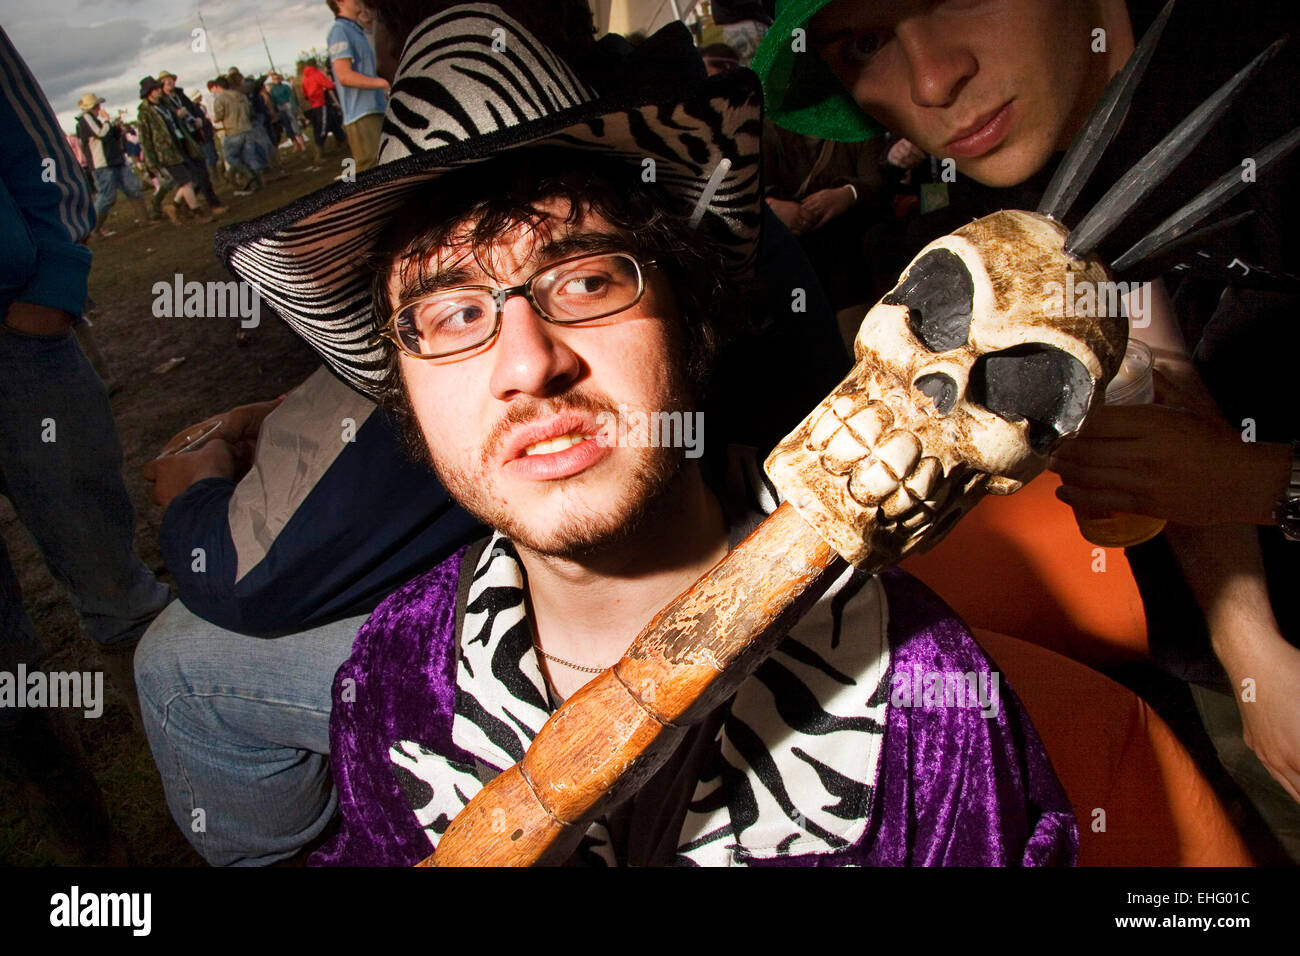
387 617
179 147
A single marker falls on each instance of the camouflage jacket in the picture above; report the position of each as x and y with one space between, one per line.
158 141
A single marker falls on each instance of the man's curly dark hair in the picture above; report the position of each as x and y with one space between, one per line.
479 206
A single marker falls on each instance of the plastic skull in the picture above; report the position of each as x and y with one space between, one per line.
968 373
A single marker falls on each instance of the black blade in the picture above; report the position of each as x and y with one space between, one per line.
1250 276
1103 123
1153 168
1168 256
1221 191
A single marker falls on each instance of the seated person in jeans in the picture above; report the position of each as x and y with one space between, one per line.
277 566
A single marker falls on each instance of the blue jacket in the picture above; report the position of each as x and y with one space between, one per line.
330 520
45 208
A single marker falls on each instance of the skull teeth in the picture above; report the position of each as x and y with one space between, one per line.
842 453
821 433
899 503
916 519
867 424
871 482
870 423
921 481
843 406
885 467
900 451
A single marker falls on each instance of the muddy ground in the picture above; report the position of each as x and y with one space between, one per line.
150 404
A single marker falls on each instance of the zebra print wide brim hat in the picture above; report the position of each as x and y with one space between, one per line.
473 84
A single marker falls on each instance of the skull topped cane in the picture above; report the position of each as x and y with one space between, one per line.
968 374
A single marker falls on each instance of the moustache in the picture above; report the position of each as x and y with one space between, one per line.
526 411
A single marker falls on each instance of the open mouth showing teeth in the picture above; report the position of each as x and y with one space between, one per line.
884 464
553 445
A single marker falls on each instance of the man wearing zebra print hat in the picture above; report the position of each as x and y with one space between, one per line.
535 276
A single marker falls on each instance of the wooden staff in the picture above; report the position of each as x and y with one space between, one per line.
611 736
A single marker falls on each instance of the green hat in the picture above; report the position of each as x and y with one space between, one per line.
801 92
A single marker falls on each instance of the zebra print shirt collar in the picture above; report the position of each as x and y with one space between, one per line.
501 696
798 755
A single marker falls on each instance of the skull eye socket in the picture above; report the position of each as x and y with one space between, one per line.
939 295
1039 384
941 389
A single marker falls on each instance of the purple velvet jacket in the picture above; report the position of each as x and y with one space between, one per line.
949 786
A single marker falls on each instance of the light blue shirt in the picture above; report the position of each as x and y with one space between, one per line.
347 41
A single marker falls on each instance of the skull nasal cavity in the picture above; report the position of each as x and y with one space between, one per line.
939 294
941 389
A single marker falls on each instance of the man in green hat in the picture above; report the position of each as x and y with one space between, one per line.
942 78
1001 88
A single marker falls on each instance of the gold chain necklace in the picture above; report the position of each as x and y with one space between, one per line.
560 660
537 646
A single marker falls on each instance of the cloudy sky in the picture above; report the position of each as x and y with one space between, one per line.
106 46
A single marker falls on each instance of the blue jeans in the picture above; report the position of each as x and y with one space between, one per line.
61 467
289 119
263 138
239 728
108 179
243 149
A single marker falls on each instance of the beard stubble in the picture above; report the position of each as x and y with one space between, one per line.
649 491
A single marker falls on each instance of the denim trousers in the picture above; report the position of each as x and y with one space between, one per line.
289 119
243 149
108 180
263 138
61 468
239 728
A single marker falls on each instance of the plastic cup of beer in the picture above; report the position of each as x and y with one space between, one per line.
1134 384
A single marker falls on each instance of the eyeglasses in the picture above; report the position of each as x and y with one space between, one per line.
579 289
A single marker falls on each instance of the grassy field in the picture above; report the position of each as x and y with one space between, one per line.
155 397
